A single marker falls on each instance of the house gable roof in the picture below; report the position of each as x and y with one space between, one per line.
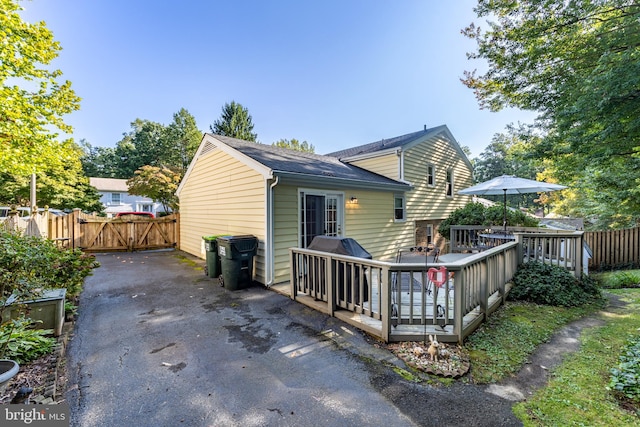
109 184
403 142
296 166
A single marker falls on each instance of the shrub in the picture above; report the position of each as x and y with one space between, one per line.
30 264
552 285
622 279
625 378
477 214
22 343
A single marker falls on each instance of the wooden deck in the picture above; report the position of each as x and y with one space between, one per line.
414 296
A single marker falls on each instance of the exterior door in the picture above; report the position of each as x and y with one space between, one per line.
321 215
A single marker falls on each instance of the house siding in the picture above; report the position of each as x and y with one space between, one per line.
430 203
285 229
222 197
371 223
385 165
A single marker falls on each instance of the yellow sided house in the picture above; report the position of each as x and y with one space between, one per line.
386 195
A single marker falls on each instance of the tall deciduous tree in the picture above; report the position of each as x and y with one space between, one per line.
184 137
33 100
577 64
160 184
235 122
58 185
294 144
148 143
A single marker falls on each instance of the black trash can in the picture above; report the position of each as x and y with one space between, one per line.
345 246
213 268
236 256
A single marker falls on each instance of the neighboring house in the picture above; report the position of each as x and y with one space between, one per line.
387 195
114 195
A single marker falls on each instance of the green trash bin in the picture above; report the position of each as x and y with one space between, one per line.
236 256
213 268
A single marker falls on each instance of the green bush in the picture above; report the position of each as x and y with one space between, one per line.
622 279
552 285
625 378
30 264
477 214
22 343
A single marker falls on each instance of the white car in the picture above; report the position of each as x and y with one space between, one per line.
24 212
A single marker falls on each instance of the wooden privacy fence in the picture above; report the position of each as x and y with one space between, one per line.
614 248
129 233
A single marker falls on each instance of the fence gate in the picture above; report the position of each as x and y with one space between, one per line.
98 234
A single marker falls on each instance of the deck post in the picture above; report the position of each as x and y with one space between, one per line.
385 298
330 275
293 274
579 254
458 304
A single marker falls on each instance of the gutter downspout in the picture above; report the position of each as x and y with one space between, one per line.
270 245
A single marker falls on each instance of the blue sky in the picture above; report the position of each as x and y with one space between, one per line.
334 73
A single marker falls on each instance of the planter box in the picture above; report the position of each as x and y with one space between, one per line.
49 309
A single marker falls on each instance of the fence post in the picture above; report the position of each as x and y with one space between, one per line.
76 232
176 229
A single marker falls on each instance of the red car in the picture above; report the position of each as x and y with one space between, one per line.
147 214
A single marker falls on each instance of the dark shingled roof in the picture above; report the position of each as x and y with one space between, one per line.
297 162
383 144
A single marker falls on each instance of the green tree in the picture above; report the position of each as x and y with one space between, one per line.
235 122
576 63
146 144
184 138
32 99
511 153
99 162
158 183
58 185
294 144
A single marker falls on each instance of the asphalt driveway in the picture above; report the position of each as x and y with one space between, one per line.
158 343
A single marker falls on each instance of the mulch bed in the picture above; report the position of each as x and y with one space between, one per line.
452 362
45 375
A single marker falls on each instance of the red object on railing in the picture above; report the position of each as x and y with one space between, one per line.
437 276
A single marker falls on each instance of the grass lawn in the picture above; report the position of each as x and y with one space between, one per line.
577 393
502 345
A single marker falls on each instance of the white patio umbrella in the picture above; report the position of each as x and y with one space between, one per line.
509 184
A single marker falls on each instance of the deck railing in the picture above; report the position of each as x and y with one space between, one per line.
399 301
405 301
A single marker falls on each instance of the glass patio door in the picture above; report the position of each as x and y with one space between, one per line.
321 215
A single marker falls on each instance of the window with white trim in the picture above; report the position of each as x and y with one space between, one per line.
116 198
449 184
431 175
399 210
